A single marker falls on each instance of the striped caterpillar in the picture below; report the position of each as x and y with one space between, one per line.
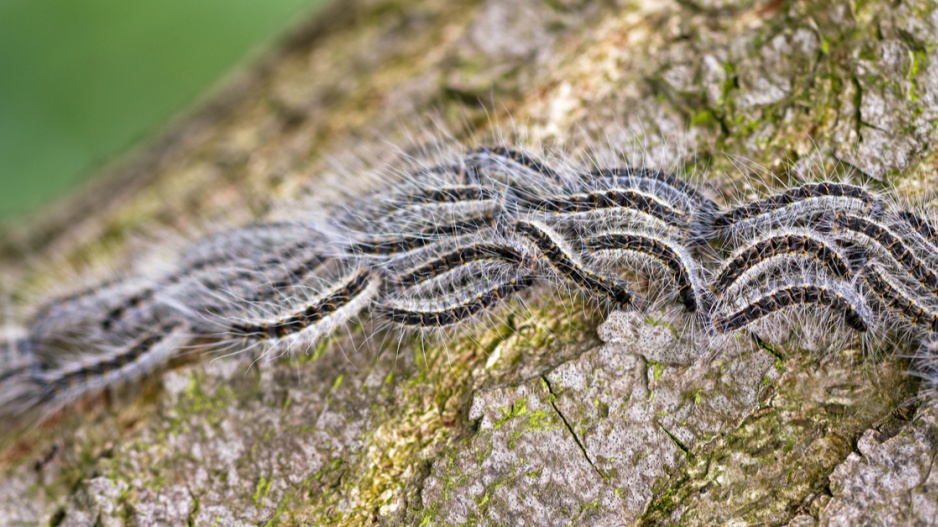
456 241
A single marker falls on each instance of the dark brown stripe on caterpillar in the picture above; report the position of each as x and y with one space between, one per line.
797 203
409 242
459 257
921 227
481 157
450 194
83 374
658 183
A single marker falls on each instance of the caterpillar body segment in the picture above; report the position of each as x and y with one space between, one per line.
60 326
509 160
111 364
580 226
394 218
203 296
433 221
392 245
435 214
454 283
631 200
304 322
919 233
249 243
461 256
925 230
287 279
254 279
447 194
42 390
520 176
458 173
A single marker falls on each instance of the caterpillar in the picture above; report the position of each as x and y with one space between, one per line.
458 307
920 234
391 245
839 299
143 354
459 257
896 298
668 254
633 200
507 158
662 185
801 204
38 390
766 252
926 231
328 309
448 194
555 250
442 245
887 245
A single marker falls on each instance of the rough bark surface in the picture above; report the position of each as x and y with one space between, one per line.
553 417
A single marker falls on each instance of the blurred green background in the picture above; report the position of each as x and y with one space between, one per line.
80 81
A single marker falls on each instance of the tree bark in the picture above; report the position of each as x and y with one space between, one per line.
552 417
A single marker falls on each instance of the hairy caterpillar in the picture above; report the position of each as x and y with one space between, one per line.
668 254
458 307
896 298
461 256
838 298
142 354
664 186
40 387
645 204
767 252
394 244
927 232
349 289
887 245
801 204
449 243
555 250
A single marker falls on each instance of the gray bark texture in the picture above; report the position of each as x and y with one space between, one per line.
554 416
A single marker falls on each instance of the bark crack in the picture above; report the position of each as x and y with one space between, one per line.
576 438
677 442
